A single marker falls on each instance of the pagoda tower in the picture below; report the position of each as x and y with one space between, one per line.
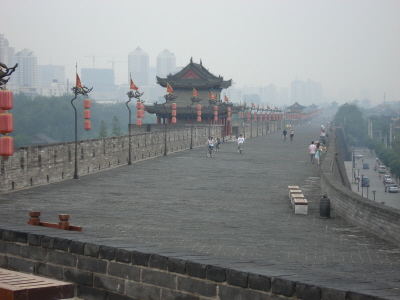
194 85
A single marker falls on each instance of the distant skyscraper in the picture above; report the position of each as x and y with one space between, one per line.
306 93
138 67
49 74
102 82
166 64
6 52
26 75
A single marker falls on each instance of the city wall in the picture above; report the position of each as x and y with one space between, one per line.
373 217
41 164
107 272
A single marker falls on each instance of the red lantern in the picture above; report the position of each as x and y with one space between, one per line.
86 114
173 106
228 119
6 100
6 146
215 118
139 122
199 113
229 109
198 106
260 117
86 103
248 119
173 120
215 108
139 113
6 123
138 105
173 113
229 113
87 125
215 113
199 118
255 117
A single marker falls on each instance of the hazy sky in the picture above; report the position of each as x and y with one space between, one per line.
346 45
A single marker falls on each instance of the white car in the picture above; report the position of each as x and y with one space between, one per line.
393 188
387 179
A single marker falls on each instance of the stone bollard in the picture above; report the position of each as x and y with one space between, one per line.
34 218
64 222
325 207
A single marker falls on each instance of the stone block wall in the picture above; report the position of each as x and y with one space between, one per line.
35 165
371 216
41 164
106 272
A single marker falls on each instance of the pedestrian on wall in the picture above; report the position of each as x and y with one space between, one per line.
318 152
312 148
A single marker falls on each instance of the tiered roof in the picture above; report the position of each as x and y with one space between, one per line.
194 76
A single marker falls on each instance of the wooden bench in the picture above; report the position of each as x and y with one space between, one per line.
300 206
21 286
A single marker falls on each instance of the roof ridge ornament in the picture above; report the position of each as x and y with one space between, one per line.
191 60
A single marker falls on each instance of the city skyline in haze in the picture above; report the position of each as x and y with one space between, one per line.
351 47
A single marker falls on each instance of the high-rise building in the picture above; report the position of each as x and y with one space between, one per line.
26 75
6 52
49 74
138 67
102 82
306 93
166 63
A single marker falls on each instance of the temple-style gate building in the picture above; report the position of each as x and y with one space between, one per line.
192 88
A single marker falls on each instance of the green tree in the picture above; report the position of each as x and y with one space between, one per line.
350 116
103 129
116 128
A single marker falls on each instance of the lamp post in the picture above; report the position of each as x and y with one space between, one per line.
362 185
352 164
168 97
374 194
78 89
133 93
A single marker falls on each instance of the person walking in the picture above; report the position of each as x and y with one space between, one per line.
318 152
240 141
312 148
291 135
284 134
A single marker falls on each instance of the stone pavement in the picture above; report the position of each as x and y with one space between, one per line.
232 211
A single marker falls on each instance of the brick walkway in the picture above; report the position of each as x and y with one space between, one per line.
232 211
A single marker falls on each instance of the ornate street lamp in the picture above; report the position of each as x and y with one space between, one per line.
168 98
133 93
6 119
78 89
374 194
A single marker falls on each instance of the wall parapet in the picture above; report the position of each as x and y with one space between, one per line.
376 218
107 272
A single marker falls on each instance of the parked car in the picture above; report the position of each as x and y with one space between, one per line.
387 179
393 188
382 169
365 181
358 156
365 165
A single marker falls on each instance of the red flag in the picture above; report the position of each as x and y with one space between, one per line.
268 107
169 89
226 98
212 96
252 104
133 86
78 81
195 93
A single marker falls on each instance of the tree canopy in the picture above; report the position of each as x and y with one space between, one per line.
54 117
